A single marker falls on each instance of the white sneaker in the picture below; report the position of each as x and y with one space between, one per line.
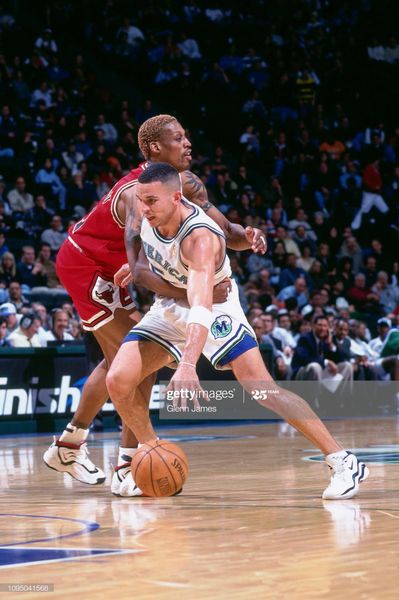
346 474
73 459
122 483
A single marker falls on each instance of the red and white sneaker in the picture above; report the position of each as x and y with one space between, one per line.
73 459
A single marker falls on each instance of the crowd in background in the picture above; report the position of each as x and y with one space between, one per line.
292 112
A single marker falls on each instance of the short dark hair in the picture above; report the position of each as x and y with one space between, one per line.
318 318
163 172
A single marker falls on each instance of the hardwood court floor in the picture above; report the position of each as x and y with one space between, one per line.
249 525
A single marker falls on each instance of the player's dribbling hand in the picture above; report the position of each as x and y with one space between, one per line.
184 388
123 276
257 239
221 291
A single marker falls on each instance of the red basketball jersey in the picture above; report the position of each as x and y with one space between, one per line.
100 234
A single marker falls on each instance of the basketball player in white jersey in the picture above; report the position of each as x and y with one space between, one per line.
186 248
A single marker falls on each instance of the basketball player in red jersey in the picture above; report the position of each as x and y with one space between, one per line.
92 266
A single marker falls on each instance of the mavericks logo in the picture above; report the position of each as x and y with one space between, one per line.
221 327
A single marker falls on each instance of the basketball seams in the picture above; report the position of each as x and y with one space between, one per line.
179 456
139 463
167 466
152 481
164 460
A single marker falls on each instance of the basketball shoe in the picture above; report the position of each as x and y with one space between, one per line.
122 483
73 459
346 475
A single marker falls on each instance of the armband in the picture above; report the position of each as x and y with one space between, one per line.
201 315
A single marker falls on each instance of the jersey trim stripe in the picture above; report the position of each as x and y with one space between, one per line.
115 199
152 337
74 244
215 231
195 213
94 317
242 331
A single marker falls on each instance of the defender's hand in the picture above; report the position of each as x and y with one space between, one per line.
221 291
123 276
257 239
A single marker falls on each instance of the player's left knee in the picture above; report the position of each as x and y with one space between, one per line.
118 385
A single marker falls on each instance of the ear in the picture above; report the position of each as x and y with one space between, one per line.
155 148
177 196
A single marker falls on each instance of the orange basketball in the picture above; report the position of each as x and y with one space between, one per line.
159 468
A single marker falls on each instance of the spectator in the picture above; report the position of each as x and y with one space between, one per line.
42 95
81 192
3 245
29 274
47 267
8 269
72 157
59 326
16 296
306 260
291 247
388 294
316 357
4 342
38 217
19 199
350 248
8 132
383 327
291 272
48 177
55 235
9 312
362 297
281 354
46 44
298 290
25 335
109 130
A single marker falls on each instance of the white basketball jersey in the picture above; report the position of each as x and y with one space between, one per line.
163 254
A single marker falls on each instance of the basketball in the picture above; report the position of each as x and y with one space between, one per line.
159 468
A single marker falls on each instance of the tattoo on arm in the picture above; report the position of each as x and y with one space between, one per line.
195 190
193 182
206 206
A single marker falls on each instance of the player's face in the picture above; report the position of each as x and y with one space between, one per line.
175 148
157 202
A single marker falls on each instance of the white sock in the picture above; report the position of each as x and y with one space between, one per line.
125 455
73 435
339 454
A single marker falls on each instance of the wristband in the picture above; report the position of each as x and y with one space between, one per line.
183 362
201 315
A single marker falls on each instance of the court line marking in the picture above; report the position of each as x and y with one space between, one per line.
108 552
388 514
171 584
89 527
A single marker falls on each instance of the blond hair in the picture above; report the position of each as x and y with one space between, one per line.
151 131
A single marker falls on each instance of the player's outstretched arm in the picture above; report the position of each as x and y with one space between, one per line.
198 251
237 237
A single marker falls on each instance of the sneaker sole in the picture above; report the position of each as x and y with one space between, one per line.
65 470
144 496
365 472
